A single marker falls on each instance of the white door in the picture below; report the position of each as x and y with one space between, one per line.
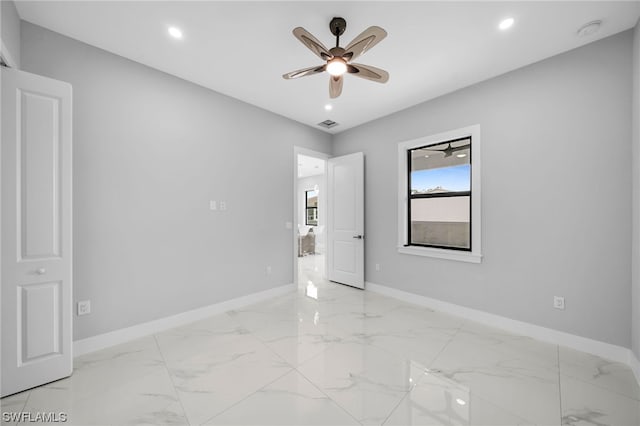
36 231
345 220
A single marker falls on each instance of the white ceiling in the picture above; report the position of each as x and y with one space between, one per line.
242 48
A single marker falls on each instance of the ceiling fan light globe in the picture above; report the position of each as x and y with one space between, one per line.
336 67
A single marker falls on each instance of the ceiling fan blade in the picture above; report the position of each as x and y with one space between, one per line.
312 43
304 72
449 149
368 72
365 41
335 86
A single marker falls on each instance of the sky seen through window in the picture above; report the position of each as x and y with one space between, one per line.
454 178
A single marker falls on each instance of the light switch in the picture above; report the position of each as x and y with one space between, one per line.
212 205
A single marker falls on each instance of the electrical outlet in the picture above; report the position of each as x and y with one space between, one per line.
223 205
84 307
558 302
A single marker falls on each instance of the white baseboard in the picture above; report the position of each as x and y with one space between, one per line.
595 347
116 337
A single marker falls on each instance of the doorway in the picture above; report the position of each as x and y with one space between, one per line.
328 207
310 232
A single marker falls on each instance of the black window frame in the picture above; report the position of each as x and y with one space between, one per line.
469 193
307 208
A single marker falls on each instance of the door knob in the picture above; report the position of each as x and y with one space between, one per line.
358 237
41 271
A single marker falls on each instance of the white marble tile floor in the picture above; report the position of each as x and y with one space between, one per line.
334 355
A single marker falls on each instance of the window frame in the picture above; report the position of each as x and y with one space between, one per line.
307 208
474 254
440 195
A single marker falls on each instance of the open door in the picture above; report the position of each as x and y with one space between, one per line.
36 254
345 220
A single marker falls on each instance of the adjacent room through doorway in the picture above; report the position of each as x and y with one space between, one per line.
310 219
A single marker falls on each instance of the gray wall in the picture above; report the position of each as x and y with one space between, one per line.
556 179
10 32
635 252
150 151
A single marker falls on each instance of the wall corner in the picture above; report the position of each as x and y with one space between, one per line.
10 33
635 196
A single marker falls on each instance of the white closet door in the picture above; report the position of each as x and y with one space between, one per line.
36 211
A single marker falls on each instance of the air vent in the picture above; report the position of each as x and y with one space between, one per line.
327 124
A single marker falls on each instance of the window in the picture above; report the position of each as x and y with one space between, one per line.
439 191
311 208
439 195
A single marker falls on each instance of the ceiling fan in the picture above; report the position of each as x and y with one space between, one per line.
449 150
338 59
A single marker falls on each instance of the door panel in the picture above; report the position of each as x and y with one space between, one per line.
39 174
345 197
345 207
36 290
344 259
38 321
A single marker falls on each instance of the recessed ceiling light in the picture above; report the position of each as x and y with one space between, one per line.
175 32
426 156
589 29
328 107
461 155
505 24
461 401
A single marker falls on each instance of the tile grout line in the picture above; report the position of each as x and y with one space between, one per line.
327 395
251 394
597 385
441 376
175 389
447 344
385 350
432 361
292 368
24 406
395 407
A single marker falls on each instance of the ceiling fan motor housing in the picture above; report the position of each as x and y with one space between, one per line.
337 26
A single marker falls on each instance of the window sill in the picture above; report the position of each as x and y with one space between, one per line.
461 256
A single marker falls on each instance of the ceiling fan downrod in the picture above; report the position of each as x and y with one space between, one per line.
337 26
